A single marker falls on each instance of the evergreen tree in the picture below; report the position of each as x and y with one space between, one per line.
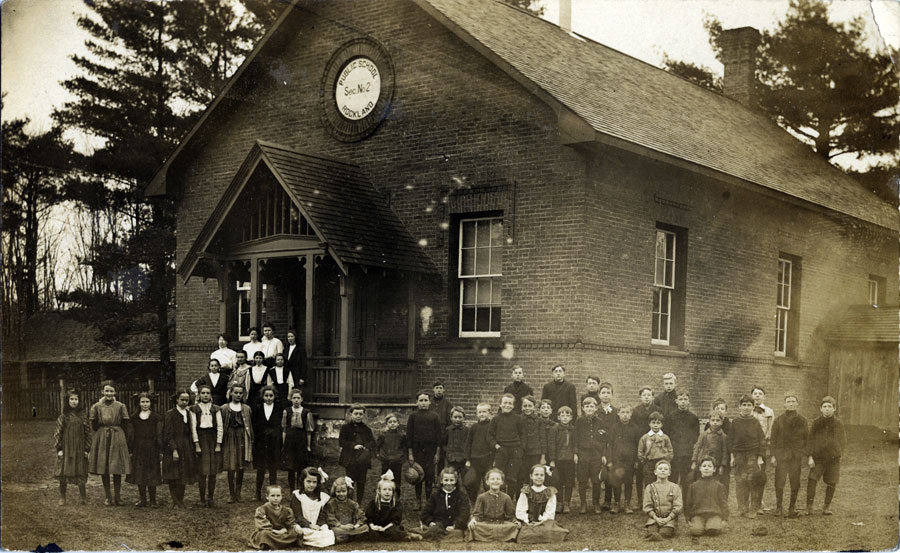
818 79
32 176
151 67
697 74
821 82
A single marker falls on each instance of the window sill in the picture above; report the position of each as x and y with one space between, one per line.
785 362
668 351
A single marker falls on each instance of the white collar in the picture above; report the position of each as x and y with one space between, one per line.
655 432
539 488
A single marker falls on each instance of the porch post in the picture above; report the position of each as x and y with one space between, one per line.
222 278
308 324
411 316
254 291
345 378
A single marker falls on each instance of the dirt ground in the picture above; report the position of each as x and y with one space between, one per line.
865 505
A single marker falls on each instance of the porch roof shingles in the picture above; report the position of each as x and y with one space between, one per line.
623 97
343 204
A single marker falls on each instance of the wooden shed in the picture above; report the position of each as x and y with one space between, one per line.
863 365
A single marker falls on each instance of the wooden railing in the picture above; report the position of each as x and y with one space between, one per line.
365 379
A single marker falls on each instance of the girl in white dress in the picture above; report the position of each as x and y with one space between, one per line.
307 504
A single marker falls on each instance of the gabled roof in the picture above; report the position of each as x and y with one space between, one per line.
864 323
337 199
617 96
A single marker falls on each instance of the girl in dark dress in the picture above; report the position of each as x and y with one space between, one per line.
282 380
206 432
217 382
237 441
266 438
109 445
258 377
297 425
73 444
179 466
145 445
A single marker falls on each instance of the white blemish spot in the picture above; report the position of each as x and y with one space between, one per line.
428 362
359 248
509 240
429 209
484 351
409 187
508 351
445 226
423 242
426 313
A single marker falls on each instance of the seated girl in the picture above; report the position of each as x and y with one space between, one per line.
274 523
308 507
447 510
536 509
385 515
494 516
343 515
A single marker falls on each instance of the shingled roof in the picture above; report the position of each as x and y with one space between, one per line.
623 97
55 338
628 100
341 204
864 323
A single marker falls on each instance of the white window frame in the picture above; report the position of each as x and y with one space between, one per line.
873 292
242 289
495 278
783 305
663 285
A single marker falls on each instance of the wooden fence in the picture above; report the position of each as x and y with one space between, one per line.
371 379
37 402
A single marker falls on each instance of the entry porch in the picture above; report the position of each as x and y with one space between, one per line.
307 243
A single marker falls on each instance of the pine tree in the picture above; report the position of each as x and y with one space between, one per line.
151 67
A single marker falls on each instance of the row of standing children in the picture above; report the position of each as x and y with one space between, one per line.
188 444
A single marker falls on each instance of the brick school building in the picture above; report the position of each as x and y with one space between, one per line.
442 188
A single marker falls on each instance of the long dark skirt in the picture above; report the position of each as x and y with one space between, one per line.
294 455
267 448
208 461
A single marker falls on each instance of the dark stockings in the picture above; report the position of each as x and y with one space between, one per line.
117 485
176 489
260 476
207 483
235 482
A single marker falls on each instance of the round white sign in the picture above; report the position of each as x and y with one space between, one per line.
357 89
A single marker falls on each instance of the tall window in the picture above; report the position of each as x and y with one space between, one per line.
243 309
480 266
783 306
877 286
663 287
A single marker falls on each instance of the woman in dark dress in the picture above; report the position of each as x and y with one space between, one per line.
179 466
145 447
266 438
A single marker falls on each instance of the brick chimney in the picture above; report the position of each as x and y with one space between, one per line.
739 58
565 15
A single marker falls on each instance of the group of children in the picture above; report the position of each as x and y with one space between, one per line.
319 519
536 448
188 444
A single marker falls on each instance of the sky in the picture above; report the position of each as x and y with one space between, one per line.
33 63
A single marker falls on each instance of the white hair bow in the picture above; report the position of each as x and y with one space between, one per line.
549 470
349 481
323 474
389 475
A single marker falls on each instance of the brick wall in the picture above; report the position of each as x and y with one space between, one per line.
577 270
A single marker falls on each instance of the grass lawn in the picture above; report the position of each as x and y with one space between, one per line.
865 512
